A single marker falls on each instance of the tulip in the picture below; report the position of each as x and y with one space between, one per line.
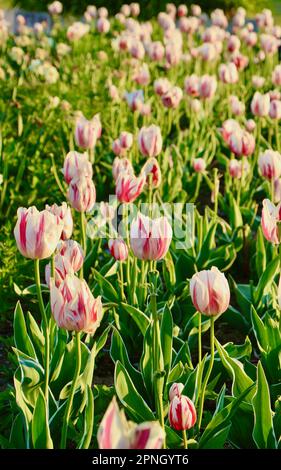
210 292
228 73
228 128
116 147
182 10
156 51
55 8
270 218
242 143
118 249
195 10
73 306
257 81
135 99
275 109
172 98
62 269
270 164
121 165
82 194
182 413
233 44
175 390
64 213
129 187
126 140
150 239
76 165
276 76
196 106
142 77
207 86
73 252
191 85
115 432
151 167
87 132
137 49
241 61
235 168
237 107
250 125
37 233
150 141
161 86
260 104
199 165
103 25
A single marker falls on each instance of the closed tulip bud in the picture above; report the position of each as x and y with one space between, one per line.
175 390
241 61
37 233
145 109
196 10
103 25
260 104
73 252
129 187
150 141
233 44
207 52
121 165
275 109
228 128
235 168
270 219
152 172
270 164
76 165
237 107
210 292
74 307
196 105
277 190
82 194
228 73
207 86
156 51
64 213
137 49
250 125
199 165
276 76
150 239
62 269
113 93
274 95
116 147
172 98
135 99
191 85
126 140
257 81
87 132
116 433
55 8
142 76
242 143
118 249
102 12
182 413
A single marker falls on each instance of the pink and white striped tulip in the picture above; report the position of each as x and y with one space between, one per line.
276 75
74 307
37 233
82 194
199 165
242 143
182 10
76 165
235 168
64 213
207 86
182 413
115 432
210 292
118 249
260 104
62 269
275 109
270 219
172 98
150 141
237 107
270 164
191 85
121 165
103 25
233 43
161 86
129 187
175 390
150 239
87 132
55 8
151 170
258 81
228 73
126 140
73 252
228 128
250 125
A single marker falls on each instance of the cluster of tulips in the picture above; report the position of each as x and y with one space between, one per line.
187 110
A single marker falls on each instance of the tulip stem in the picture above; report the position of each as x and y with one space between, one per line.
83 237
46 330
202 397
53 273
199 339
277 136
185 444
68 409
121 280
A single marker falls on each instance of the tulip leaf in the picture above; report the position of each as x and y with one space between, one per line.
22 339
166 334
107 289
129 396
265 282
88 420
41 437
207 246
138 316
263 432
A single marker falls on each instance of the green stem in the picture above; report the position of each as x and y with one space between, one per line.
46 330
72 391
121 280
205 382
277 135
83 238
184 439
199 339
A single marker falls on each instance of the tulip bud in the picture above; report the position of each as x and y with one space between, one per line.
242 143
82 194
62 269
199 165
161 86
207 86
250 125
118 249
175 390
103 25
257 81
260 104
150 239
76 165
152 168
64 213
121 165
228 73
74 307
210 292
172 98
150 141
270 219
182 413
37 233
275 109
191 85
87 132
276 76
270 164
129 187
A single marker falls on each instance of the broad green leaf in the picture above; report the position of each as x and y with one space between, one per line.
88 420
138 316
107 289
166 333
266 280
263 432
22 340
41 437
